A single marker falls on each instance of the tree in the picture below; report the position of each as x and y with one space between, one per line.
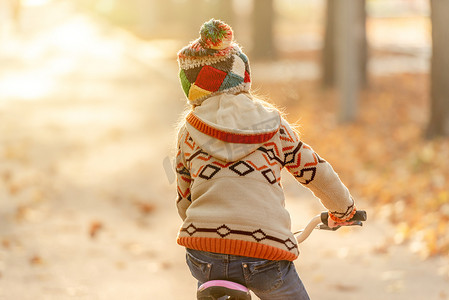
331 38
262 30
439 74
328 53
348 54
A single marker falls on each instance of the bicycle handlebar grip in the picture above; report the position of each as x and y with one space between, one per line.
359 215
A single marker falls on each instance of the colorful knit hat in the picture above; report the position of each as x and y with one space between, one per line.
213 64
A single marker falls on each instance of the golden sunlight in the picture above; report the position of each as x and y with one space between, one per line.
31 3
91 99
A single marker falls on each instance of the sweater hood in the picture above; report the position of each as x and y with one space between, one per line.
230 127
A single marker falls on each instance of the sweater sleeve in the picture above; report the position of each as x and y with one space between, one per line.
183 177
316 174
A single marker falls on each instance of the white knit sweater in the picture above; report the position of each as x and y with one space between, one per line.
230 155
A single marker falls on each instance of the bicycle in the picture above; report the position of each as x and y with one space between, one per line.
228 290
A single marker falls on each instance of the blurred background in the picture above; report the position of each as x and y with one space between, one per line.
90 99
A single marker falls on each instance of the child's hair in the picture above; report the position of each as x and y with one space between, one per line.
265 102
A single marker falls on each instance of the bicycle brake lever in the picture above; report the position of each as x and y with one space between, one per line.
356 223
325 227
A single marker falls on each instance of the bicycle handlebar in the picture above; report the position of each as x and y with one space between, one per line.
356 220
320 222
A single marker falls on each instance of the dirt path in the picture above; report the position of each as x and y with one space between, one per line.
86 207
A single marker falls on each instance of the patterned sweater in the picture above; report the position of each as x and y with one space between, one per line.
230 155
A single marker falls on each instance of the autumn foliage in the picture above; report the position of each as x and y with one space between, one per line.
383 157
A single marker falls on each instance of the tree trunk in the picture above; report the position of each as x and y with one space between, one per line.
328 54
262 30
363 43
348 57
439 74
329 57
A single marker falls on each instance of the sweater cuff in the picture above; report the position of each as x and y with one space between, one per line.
345 216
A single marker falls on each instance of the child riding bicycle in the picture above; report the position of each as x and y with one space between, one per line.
231 149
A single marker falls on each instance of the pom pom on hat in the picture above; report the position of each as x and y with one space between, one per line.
213 64
216 35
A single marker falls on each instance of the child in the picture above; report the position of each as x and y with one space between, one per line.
231 149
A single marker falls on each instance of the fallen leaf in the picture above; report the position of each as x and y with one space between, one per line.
6 176
95 228
120 265
13 188
21 212
345 287
165 265
145 208
381 249
36 260
6 244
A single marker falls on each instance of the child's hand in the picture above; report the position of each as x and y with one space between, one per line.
332 224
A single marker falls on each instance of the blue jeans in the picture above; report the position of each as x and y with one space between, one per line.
268 279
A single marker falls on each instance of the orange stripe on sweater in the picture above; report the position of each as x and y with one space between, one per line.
185 194
268 161
221 165
236 247
199 170
314 163
229 137
258 169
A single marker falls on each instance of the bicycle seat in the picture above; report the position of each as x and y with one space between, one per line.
222 290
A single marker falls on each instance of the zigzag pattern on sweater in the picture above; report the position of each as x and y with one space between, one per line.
274 159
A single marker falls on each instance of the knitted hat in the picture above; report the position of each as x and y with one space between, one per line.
213 64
